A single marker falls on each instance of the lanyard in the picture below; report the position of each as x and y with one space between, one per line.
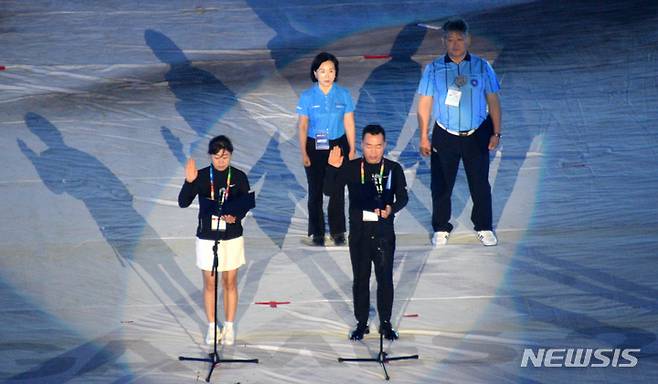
378 184
212 185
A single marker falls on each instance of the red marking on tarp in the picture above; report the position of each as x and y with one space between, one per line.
272 304
410 315
376 56
2 67
574 165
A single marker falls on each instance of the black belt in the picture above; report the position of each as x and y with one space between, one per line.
456 133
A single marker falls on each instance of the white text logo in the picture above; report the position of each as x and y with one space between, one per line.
579 357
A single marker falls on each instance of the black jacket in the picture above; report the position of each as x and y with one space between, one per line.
201 187
364 196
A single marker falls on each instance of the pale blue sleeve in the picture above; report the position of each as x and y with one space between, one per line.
349 104
491 84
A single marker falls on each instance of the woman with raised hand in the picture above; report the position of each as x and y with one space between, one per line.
217 184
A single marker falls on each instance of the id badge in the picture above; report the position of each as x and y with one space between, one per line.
214 222
370 216
222 225
453 97
321 141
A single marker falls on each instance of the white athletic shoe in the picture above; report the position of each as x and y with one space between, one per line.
211 333
228 335
487 238
440 238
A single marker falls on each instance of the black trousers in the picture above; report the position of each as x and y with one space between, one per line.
447 151
315 178
367 250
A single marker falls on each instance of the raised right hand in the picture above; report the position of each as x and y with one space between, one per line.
335 157
190 170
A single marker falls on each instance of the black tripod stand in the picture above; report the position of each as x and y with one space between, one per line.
213 358
382 357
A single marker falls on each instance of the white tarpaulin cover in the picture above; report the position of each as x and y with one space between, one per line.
102 102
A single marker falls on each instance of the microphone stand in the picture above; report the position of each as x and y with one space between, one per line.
213 357
382 357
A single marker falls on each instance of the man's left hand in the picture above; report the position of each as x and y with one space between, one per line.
384 213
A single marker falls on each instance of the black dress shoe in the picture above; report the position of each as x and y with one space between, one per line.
357 333
339 239
318 240
386 329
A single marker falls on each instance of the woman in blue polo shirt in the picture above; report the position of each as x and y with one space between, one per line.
326 120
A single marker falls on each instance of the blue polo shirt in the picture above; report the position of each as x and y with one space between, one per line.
480 78
325 112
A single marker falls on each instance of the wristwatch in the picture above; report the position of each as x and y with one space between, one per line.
498 135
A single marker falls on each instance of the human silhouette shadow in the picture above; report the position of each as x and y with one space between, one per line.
387 95
280 190
288 43
386 98
201 98
64 169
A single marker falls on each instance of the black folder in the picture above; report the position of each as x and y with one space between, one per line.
236 206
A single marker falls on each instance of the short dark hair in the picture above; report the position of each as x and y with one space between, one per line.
455 25
218 143
318 60
373 129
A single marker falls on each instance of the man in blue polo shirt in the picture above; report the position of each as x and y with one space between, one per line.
458 87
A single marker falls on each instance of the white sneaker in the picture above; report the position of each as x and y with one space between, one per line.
228 335
211 333
487 238
440 238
